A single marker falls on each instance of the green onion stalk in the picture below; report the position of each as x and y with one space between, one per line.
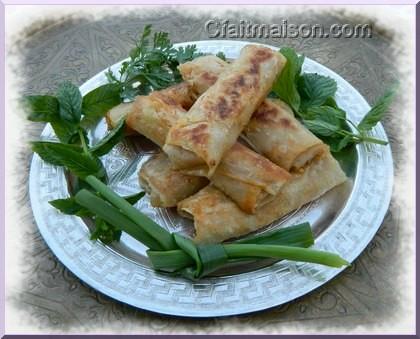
177 254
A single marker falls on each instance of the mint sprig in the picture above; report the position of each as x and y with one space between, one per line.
69 114
311 96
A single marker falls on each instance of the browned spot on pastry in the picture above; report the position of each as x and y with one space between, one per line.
265 113
286 123
255 67
178 94
166 99
239 81
199 134
209 77
234 94
223 108
259 57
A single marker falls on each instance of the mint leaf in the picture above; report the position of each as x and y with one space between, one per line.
70 206
69 156
70 101
325 121
329 114
285 86
97 102
41 108
347 140
338 143
347 158
321 127
132 199
105 232
315 89
330 101
65 131
110 140
377 112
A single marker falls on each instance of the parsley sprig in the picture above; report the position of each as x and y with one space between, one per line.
152 65
311 96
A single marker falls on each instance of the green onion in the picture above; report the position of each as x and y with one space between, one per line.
174 253
147 225
169 261
188 246
111 215
212 256
285 252
297 235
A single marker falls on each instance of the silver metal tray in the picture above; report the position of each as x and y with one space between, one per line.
344 221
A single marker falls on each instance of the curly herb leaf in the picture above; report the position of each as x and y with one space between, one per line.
152 65
221 55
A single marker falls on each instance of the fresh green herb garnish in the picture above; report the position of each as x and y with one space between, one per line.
99 101
286 85
105 232
69 114
311 96
70 102
109 141
70 206
72 157
315 89
152 65
221 55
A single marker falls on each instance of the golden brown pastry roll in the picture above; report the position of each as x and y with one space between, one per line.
115 114
166 186
180 94
214 122
218 218
247 177
153 116
177 95
274 132
202 72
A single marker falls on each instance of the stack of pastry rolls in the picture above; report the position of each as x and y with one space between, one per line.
229 188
